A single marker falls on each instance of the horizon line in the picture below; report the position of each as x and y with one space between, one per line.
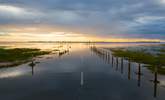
81 42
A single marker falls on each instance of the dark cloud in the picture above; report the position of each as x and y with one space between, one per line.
101 17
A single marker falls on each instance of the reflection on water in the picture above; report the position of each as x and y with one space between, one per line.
82 79
32 64
155 81
80 71
61 53
139 74
122 65
129 69
12 72
101 52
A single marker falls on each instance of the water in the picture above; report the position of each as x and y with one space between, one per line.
80 74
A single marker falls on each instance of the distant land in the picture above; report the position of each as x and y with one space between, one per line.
77 42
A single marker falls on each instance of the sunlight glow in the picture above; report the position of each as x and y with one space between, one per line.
49 33
62 36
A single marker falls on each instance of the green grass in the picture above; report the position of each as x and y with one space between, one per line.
162 50
137 56
141 56
160 70
19 54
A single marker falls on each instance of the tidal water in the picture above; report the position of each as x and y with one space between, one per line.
81 73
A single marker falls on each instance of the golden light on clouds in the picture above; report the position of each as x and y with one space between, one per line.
48 33
41 37
62 36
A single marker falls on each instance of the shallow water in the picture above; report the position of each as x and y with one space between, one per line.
80 74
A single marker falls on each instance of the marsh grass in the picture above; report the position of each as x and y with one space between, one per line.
17 56
141 56
137 56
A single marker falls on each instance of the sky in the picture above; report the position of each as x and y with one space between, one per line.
82 20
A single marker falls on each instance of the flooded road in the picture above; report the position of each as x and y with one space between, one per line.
81 73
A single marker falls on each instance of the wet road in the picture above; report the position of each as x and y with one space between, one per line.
81 74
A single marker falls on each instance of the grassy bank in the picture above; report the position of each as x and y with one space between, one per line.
18 55
142 56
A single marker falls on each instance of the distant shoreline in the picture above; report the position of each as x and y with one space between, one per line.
76 42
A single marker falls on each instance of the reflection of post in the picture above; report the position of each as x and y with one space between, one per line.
116 63
82 79
122 65
103 55
155 81
107 57
139 75
32 70
112 61
129 69
32 64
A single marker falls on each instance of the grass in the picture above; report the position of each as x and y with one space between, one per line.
141 56
18 55
160 70
137 56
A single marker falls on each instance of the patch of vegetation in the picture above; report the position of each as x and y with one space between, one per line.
141 56
162 50
160 70
162 44
137 56
18 55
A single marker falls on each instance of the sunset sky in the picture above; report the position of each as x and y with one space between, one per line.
82 20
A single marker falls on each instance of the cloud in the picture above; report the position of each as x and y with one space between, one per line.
3 34
95 17
10 9
149 19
